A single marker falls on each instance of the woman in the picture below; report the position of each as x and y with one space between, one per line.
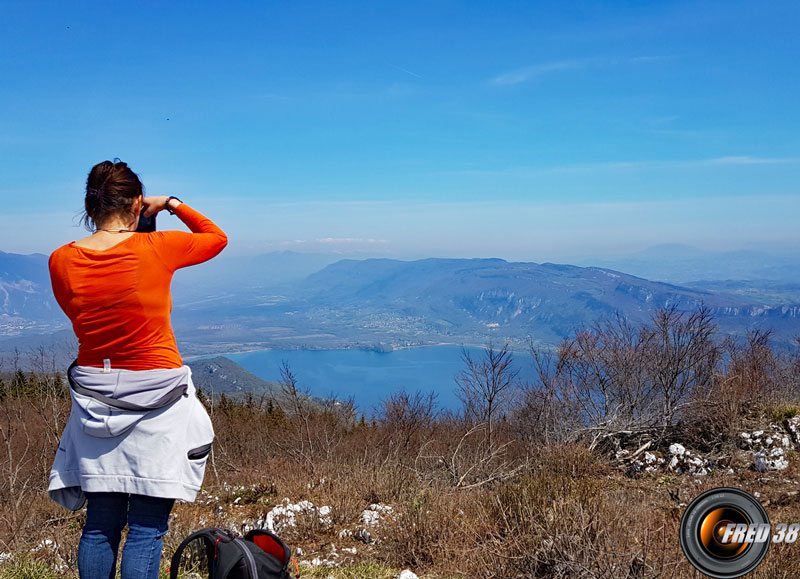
137 437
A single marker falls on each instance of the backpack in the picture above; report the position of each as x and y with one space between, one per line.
259 555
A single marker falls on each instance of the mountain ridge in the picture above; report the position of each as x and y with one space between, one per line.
379 301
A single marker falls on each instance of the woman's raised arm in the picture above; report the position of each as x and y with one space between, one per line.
180 249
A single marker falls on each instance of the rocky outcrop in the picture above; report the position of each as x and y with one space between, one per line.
762 450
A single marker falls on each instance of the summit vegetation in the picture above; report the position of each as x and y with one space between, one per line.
539 479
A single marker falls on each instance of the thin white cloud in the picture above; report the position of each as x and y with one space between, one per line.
336 241
733 160
747 160
530 73
649 58
730 161
408 72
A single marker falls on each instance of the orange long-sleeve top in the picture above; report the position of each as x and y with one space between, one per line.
119 299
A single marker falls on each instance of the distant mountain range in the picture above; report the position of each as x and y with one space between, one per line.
495 297
385 303
226 273
26 298
682 264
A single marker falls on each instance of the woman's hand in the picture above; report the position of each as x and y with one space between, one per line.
152 205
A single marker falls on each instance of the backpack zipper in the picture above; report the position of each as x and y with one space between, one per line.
249 556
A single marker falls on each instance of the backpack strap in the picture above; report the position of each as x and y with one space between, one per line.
210 538
248 557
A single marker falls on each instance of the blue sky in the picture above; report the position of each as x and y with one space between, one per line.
524 130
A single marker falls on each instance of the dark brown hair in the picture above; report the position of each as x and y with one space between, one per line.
111 189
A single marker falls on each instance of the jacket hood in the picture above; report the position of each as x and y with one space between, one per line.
109 403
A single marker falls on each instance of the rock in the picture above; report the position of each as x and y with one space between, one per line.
317 562
686 462
370 517
676 449
406 574
650 462
775 459
375 514
364 536
380 509
769 452
792 426
284 515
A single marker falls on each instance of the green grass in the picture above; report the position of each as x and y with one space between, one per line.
26 568
782 413
359 571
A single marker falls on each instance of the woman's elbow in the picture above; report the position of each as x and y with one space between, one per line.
223 241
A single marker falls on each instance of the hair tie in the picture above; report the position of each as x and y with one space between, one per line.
94 193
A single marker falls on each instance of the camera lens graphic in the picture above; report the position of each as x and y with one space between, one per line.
712 531
703 528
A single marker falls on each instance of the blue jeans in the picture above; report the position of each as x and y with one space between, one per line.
106 515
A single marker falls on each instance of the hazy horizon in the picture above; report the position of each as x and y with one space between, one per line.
645 253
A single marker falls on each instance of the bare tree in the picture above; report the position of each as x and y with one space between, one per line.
486 385
683 357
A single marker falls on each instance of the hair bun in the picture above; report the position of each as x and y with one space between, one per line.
111 188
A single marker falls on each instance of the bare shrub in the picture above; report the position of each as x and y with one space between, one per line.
752 385
535 502
313 429
616 378
603 373
544 415
407 418
32 411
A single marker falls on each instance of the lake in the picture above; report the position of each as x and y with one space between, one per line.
368 376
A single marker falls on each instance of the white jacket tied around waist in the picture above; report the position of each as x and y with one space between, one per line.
139 432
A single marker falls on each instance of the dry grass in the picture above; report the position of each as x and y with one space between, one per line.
566 514
462 505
